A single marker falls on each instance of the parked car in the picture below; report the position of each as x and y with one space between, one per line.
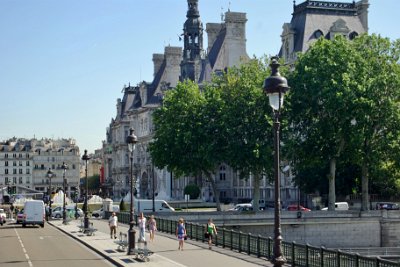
20 216
242 207
58 212
295 207
98 213
339 206
3 217
387 206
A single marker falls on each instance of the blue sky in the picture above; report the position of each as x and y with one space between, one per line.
64 63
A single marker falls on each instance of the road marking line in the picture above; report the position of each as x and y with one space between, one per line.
23 248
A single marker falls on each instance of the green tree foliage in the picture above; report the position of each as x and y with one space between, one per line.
184 139
247 120
193 190
344 112
227 121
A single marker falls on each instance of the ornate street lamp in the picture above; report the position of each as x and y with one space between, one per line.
275 86
50 175
131 140
85 157
64 167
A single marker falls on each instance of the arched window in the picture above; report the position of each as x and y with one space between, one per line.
317 34
353 35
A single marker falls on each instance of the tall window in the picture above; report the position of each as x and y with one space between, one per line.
222 173
6 163
27 163
20 180
28 171
6 171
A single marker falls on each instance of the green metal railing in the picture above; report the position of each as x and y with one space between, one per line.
296 254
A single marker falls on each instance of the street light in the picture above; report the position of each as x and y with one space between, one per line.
275 87
50 175
64 167
85 157
131 140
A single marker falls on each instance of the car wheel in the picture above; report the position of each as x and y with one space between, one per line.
96 215
42 225
58 216
23 225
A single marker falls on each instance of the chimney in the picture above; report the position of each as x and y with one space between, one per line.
212 30
173 58
157 60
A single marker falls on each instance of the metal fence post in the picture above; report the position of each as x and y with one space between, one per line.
231 239
293 253
258 246
248 243
269 247
322 256
307 259
223 237
240 241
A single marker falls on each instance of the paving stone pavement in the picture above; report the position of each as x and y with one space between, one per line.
163 251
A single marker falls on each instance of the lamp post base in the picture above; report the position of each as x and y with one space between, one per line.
279 261
131 241
86 222
65 219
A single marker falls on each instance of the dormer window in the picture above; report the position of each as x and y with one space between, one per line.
318 34
353 35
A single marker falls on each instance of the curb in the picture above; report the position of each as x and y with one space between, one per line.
116 263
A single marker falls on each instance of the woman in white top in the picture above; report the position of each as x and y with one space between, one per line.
142 227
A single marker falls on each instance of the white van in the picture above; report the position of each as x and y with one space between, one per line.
146 205
339 206
33 213
100 212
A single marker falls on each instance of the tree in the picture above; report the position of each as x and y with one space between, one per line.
193 190
184 139
344 109
247 120
376 116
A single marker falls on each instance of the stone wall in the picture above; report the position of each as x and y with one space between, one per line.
318 228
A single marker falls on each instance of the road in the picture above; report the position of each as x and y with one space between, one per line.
34 246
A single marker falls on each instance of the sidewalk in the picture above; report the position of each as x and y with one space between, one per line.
165 249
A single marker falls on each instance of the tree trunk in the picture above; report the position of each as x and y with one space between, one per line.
215 191
331 178
364 187
256 193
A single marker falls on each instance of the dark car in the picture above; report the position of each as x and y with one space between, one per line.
387 206
295 207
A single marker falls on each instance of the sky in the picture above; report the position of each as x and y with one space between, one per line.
64 63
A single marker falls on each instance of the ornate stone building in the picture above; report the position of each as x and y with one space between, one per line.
24 164
314 19
226 47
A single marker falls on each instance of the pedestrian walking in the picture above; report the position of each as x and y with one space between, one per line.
142 227
211 231
152 224
180 233
113 223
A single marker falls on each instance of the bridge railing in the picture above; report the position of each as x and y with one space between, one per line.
262 247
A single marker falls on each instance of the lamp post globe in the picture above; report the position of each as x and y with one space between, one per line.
275 86
49 175
131 140
64 167
85 157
